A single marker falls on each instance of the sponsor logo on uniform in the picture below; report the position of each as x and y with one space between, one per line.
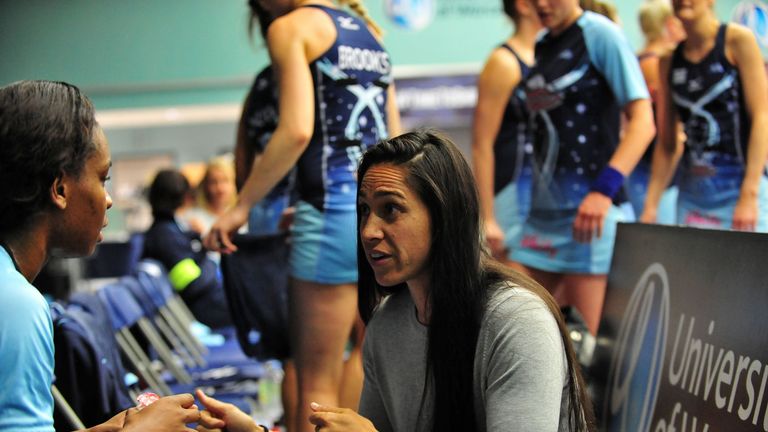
679 75
348 23
353 58
539 97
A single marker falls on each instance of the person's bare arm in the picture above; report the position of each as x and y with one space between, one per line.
500 75
290 139
393 112
668 149
637 135
745 54
242 164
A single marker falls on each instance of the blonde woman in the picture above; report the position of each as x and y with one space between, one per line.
662 32
336 98
215 195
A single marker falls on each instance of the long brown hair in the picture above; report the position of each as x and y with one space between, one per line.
442 179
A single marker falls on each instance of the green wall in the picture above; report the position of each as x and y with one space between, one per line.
168 52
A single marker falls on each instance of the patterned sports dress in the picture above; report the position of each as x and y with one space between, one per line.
513 151
575 92
350 84
709 99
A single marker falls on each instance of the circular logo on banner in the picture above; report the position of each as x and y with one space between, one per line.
411 14
754 14
638 355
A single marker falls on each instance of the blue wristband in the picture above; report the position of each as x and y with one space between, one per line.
608 182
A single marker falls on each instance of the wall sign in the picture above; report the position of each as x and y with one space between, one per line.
683 343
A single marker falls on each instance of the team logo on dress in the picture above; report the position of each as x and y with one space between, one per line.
679 75
566 55
694 85
638 356
540 97
411 14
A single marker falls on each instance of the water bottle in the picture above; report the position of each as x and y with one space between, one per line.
270 402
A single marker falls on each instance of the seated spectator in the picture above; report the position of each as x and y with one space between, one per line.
54 163
215 194
191 272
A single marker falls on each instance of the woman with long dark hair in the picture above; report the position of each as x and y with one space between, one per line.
455 341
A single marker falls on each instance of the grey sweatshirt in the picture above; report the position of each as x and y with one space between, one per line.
520 370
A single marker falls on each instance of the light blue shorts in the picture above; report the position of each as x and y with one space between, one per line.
324 245
510 206
264 217
547 242
637 188
706 202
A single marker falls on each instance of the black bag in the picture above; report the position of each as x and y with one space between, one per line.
256 283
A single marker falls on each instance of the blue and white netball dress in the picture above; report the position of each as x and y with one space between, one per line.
513 151
637 181
350 82
261 114
575 92
710 101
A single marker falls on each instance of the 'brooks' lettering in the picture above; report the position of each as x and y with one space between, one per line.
363 59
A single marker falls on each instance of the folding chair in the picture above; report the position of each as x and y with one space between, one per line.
61 404
157 314
219 365
149 325
154 280
125 311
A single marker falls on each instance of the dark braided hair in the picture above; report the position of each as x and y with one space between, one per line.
46 131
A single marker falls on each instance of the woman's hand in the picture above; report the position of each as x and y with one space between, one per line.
167 414
745 214
333 419
649 214
218 415
494 236
590 217
286 219
115 424
219 238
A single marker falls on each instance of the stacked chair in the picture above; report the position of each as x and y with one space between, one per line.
138 319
